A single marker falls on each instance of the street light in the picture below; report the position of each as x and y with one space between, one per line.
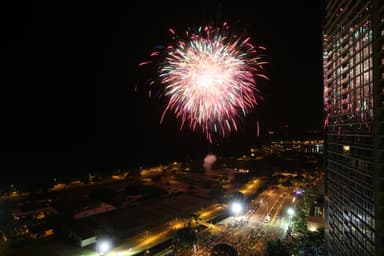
103 246
291 212
236 208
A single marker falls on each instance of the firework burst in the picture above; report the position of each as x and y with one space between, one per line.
209 79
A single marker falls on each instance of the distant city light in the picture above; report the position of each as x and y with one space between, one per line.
243 171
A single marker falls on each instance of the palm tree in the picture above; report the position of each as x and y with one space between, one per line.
184 238
194 217
189 218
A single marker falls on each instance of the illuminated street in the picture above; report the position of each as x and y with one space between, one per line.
149 238
264 219
249 232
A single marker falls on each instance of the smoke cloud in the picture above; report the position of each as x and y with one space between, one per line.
209 160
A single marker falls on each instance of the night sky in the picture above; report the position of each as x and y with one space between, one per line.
69 73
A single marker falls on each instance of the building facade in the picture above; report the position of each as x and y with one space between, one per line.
353 57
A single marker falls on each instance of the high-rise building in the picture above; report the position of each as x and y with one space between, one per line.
354 125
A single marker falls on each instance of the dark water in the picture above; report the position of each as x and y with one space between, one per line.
65 170
41 167
44 167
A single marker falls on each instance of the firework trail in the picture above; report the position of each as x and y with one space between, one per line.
209 79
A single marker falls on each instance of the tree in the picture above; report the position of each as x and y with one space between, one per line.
276 248
312 243
194 217
299 221
184 238
189 218
223 250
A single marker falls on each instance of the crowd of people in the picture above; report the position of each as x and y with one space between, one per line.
249 239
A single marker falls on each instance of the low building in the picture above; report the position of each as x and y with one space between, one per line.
36 210
83 207
93 209
82 232
41 231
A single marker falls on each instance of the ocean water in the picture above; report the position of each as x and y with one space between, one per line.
42 168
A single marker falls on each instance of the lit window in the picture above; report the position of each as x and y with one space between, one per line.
346 148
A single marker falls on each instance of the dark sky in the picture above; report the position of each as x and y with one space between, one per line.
68 75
